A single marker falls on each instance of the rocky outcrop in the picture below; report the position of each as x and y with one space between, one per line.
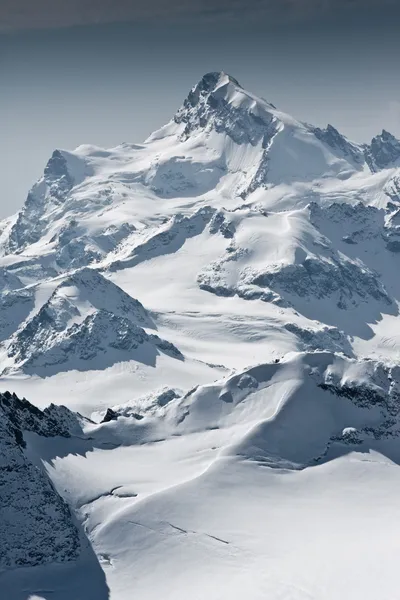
36 525
383 151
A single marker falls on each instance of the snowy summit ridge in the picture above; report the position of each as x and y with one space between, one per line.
206 327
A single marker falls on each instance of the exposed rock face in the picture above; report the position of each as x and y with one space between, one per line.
98 337
53 188
86 316
383 151
336 140
345 282
25 417
207 108
9 281
325 338
80 342
110 416
36 526
220 223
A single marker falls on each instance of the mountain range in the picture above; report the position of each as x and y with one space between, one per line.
205 327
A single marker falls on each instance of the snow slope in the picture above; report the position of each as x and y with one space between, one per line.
221 305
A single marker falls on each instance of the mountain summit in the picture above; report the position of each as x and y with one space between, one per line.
206 327
264 147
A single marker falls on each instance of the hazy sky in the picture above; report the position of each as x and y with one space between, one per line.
320 60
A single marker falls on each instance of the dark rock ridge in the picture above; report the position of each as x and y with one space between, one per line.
24 416
109 416
206 108
383 151
333 138
345 282
98 336
57 177
36 525
325 338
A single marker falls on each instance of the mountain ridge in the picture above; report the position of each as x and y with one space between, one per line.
212 90
206 328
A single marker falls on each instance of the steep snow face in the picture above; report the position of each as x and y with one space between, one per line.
166 239
139 286
298 408
9 281
189 476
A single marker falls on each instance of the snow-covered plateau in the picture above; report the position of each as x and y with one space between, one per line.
206 331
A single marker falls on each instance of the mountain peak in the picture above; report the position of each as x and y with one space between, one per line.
384 151
336 140
208 85
218 102
213 80
386 135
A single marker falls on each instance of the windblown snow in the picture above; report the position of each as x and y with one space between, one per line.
205 327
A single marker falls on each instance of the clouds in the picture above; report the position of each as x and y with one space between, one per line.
33 14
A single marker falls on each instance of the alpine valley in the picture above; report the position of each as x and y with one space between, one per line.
206 330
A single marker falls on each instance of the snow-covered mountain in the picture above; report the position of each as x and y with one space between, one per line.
213 317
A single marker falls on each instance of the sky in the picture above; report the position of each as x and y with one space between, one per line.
109 71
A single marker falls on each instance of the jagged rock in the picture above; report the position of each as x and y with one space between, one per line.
383 151
206 108
336 140
110 416
60 332
221 224
53 188
326 338
36 526
345 281
25 416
